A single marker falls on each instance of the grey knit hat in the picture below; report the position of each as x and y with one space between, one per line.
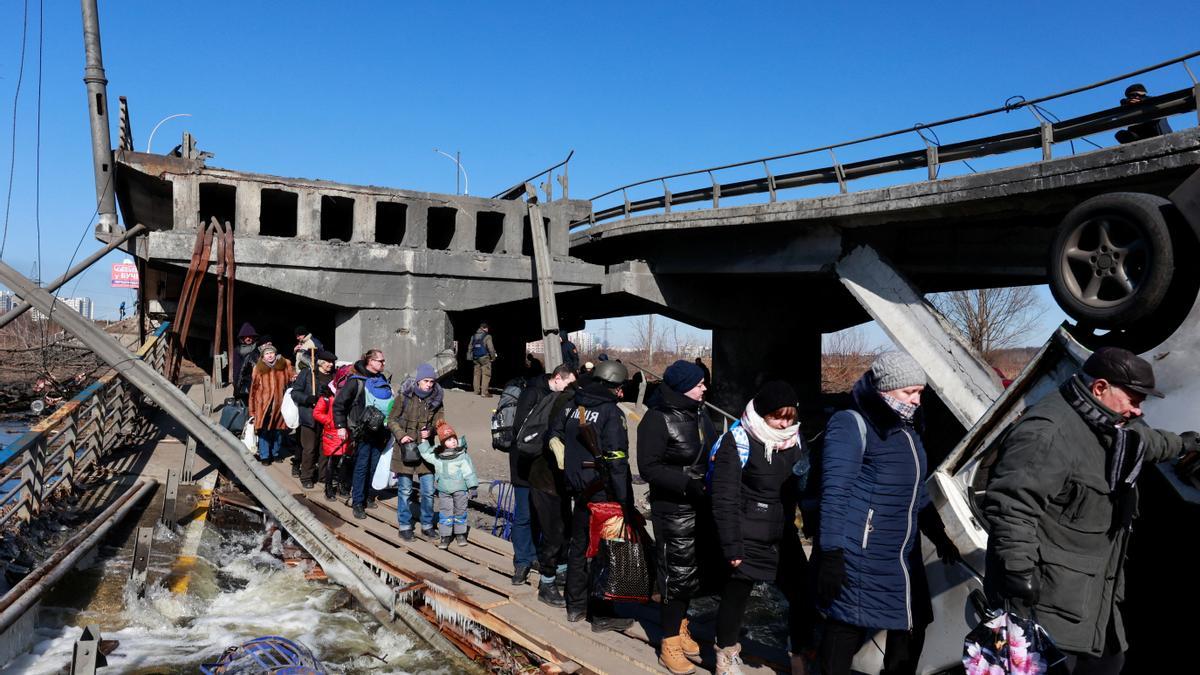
896 370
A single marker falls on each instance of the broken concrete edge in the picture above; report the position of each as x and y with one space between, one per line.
963 380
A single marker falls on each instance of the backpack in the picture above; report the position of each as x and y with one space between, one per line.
532 437
478 347
504 416
741 438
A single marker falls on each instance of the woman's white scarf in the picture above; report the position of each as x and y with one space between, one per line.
772 439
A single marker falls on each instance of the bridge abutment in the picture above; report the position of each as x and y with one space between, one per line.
408 337
745 357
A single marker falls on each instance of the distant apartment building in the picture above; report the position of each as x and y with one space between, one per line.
84 306
584 341
7 301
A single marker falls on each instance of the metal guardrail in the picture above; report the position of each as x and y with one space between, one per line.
932 156
77 436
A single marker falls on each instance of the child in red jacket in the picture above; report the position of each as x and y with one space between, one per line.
335 449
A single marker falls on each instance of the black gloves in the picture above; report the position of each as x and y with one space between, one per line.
831 575
694 488
310 400
1021 587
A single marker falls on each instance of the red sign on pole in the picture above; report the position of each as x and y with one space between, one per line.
124 275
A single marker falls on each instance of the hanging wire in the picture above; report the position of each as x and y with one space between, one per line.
936 141
12 161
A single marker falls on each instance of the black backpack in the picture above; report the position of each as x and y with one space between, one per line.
532 437
504 416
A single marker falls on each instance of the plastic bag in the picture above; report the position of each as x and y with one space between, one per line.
249 437
1008 643
289 411
383 478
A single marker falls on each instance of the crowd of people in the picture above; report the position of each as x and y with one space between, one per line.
724 506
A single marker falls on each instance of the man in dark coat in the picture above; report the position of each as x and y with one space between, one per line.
673 442
591 478
539 490
570 355
306 389
247 347
1061 501
1134 94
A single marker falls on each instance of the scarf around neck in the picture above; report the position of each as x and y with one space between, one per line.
1124 449
772 439
906 411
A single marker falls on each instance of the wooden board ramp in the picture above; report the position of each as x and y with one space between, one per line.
473 584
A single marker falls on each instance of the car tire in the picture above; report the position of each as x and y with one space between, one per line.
1112 261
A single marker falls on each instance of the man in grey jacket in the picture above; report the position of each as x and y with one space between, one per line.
1062 497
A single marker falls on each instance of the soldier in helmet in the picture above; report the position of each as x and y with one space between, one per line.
593 478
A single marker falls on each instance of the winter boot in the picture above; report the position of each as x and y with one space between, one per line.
548 593
520 574
460 539
359 512
330 492
445 542
729 660
689 646
670 655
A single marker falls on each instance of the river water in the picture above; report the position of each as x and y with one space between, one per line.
233 593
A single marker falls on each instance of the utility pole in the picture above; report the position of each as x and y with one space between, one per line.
457 163
97 96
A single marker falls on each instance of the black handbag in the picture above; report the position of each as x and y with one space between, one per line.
623 571
409 454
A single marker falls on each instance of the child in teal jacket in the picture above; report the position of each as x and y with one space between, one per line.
455 479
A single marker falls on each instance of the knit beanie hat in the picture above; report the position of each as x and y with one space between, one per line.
265 349
444 431
774 395
896 370
682 376
425 372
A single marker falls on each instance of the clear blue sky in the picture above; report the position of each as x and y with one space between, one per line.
362 92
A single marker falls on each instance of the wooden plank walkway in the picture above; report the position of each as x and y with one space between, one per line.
474 582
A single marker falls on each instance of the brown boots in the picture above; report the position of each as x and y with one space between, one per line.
676 650
670 655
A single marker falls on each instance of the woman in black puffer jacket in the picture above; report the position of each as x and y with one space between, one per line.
754 491
673 442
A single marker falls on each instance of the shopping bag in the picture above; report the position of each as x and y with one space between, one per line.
383 479
1005 642
249 438
622 568
289 411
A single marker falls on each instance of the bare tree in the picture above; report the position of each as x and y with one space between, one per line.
844 356
991 318
649 338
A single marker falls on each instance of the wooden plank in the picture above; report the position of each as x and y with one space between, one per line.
597 652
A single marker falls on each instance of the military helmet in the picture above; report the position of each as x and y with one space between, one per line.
611 372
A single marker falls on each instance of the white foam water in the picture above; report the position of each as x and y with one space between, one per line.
234 593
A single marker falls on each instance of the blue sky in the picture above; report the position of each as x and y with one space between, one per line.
363 93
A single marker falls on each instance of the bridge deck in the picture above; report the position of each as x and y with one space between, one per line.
474 582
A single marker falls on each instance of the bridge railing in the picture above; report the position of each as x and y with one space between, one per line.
57 450
932 156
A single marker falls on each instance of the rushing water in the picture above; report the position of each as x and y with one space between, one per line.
234 593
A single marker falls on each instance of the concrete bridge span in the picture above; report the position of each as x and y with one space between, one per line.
362 266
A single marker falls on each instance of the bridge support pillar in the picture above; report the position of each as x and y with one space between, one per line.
746 357
408 337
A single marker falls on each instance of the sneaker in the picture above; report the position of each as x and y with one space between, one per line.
330 497
604 623
520 574
371 503
729 660
460 539
444 543
359 512
429 532
307 484
406 535
548 593
343 491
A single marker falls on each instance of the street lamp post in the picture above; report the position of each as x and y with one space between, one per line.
160 123
466 180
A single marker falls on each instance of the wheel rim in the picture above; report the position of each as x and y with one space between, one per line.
1104 261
